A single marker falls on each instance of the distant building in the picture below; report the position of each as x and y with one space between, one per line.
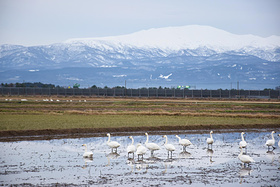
277 88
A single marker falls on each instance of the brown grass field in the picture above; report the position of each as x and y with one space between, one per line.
76 115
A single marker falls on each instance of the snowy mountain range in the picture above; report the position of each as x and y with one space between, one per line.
200 56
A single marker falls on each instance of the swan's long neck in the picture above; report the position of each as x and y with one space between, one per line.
211 136
85 148
242 137
166 140
179 138
241 152
132 141
147 138
109 138
272 136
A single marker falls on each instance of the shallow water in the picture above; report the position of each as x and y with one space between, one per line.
50 162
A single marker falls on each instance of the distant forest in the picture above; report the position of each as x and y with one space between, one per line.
42 85
29 84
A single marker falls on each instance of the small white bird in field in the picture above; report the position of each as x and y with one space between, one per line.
151 146
210 140
270 142
246 159
169 147
87 154
242 143
184 142
112 144
141 150
279 141
131 148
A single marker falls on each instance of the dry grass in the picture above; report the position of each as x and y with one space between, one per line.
41 122
105 113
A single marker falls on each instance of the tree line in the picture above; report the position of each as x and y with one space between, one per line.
28 85
42 85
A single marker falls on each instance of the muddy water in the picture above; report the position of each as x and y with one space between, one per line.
61 162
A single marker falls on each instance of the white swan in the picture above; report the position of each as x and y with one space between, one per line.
87 154
112 144
210 140
131 148
279 141
141 150
243 143
169 147
151 146
246 159
184 142
270 142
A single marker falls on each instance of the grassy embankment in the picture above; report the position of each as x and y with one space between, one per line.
111 113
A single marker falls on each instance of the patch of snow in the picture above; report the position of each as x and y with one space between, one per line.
107 66
74 79
14 78
184 37
165 77
117 76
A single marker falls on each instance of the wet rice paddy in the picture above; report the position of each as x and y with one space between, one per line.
61 162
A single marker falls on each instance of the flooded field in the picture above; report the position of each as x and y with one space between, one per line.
61 162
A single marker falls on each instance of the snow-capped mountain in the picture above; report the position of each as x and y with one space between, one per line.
189 54
179 38
173 39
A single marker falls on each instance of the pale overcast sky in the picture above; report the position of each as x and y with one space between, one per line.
40 22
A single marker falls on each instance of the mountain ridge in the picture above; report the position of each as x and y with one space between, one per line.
185 37
140 58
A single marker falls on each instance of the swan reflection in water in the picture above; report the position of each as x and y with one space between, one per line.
210 153
167 163
244 172
86 160
110 156
142 165
270 155
185 154
130 162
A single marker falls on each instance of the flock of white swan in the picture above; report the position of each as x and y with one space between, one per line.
140 150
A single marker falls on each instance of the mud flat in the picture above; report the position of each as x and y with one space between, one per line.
60 161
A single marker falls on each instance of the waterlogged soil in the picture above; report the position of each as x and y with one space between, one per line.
61 162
